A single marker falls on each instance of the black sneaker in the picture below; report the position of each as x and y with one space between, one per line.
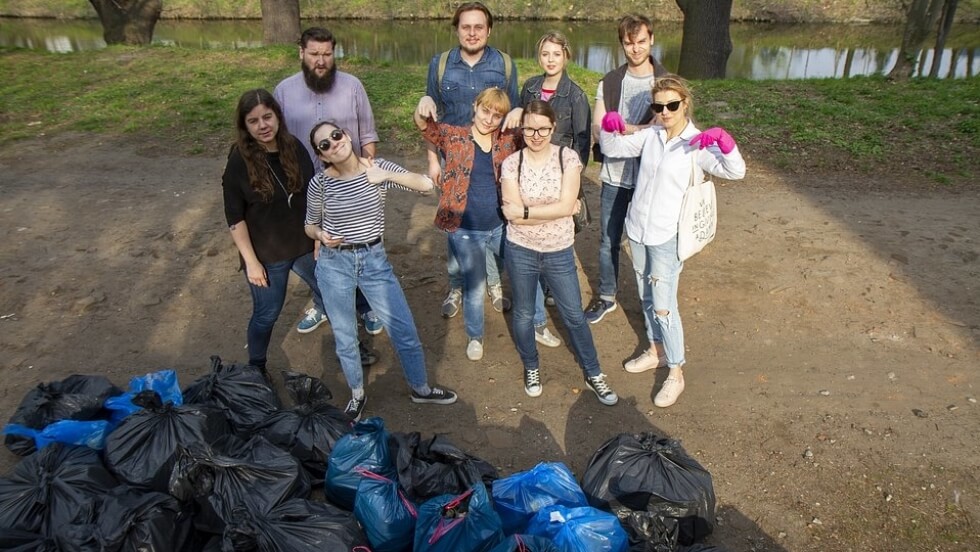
597 309
368 357
532 383
601 389
355 408
436 396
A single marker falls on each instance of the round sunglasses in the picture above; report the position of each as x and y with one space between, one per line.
336 136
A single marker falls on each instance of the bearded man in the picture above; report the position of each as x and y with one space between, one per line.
322 93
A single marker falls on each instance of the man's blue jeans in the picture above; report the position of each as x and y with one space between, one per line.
526 268
614 203
339 272
267 302
658 273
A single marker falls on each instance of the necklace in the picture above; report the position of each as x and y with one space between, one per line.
289 195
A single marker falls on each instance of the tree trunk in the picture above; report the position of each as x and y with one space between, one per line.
949 11
280 21
706 43
128 21
922 17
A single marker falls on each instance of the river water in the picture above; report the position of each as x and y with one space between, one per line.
761 51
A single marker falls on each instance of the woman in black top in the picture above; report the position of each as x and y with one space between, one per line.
264 185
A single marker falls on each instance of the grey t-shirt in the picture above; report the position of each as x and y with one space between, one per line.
634 103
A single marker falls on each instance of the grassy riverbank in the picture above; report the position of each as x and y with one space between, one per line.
799 11
186 98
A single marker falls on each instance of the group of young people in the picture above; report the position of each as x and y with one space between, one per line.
304 192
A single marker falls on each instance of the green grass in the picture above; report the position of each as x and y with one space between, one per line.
187 97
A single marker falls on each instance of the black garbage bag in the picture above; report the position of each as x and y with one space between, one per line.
310 429
255 475
136 520
651 532
75 538
296 525
76 397
142 450
645 473
436 466
53 488
242 391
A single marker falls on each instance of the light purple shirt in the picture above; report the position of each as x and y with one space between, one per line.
345 104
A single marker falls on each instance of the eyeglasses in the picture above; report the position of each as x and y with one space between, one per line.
337 135
672 106
542 132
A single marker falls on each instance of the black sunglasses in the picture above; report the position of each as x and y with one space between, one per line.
672 106
337 135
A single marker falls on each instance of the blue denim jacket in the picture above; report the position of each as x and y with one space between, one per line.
574 115
461 84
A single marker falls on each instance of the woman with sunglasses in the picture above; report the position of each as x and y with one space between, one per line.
669 151
469 206
264 188
540 186
346 214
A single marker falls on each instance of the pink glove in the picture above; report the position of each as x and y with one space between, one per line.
714 135
612 121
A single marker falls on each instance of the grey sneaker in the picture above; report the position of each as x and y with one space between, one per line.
598 309
532 383
368 357
497 299
436 395
450 305
355 408
602 390
546 338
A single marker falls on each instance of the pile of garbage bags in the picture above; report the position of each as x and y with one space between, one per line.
223 465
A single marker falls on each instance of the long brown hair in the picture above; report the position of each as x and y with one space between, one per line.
259 171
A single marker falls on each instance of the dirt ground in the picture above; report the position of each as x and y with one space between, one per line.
833 333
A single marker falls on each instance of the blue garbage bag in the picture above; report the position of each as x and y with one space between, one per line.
386 514
366 446
69 432
458 523
525 543
518 497
163 383
581 529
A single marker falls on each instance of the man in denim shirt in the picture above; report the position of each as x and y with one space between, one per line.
470 68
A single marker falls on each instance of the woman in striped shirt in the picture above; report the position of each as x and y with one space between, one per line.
345 213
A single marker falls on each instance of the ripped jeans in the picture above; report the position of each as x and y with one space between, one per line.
657 274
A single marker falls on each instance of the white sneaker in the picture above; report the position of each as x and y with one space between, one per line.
673 387
474 351
546 338
645 361
497 299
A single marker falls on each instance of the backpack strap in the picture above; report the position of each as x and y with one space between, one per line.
508 70
441 71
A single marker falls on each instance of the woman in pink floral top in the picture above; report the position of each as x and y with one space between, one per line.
539 186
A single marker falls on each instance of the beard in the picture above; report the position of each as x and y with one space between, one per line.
317 84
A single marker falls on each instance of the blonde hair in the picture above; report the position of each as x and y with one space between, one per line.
494 99
556 37
677 84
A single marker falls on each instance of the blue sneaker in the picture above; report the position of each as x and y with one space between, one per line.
311 321
597 309
372 324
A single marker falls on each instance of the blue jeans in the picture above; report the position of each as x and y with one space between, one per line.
470 248
614 203
455 276
526 267
267 302
339 273
657 275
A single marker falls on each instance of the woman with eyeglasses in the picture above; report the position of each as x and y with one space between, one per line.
264 188
346 214
469 206
540 186
669 151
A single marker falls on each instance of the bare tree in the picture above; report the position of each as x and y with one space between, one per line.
920 21
949 12
128 21
280 21
706 43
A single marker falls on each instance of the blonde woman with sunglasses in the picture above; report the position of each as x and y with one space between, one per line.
669 150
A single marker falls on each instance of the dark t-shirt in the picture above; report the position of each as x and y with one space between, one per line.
482 200
275 226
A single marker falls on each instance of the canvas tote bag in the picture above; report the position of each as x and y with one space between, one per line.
699 217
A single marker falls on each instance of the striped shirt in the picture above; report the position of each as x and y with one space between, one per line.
353 208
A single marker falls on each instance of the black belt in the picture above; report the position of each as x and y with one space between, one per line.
350 246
